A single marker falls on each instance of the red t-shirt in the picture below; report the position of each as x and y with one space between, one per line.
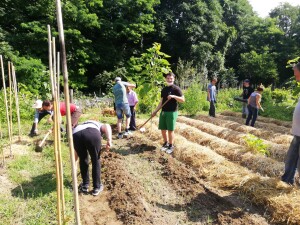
63 108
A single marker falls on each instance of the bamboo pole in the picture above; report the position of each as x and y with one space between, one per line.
58 133
10 96
6 107
50 60
68 113
57 168
58 75
16 98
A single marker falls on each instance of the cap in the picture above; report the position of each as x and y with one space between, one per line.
118 79
247 81
38 104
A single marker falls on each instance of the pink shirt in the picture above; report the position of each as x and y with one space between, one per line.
132 98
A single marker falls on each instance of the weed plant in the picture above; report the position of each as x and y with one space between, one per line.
256 145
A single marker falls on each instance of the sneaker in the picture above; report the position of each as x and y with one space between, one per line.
164 147
83 189
120 135
96 191
170 149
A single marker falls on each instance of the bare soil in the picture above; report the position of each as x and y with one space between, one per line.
146 186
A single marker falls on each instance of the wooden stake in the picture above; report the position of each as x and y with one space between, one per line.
6 107
67 101
58 75
58 133
55 127
16 98
10 96
50 61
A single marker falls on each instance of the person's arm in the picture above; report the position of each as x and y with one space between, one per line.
208 94
258 98
128 84
177 98
106 129
157 108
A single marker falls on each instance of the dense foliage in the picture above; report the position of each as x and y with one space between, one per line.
223 38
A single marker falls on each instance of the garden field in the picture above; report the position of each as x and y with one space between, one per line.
221 172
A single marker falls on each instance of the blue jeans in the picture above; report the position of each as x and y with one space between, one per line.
122 108
253 113
245 109
291 161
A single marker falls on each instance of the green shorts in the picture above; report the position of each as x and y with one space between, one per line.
167 120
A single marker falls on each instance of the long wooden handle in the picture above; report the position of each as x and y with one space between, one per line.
42 142
153 115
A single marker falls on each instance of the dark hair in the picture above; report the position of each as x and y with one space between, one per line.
170 74
46 103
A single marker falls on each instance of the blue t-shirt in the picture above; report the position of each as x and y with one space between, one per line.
120 94
213 92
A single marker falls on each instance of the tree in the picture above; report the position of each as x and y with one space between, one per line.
148 71
260 68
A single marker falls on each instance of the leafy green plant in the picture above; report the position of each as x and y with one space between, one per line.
256 145
193 103
148 71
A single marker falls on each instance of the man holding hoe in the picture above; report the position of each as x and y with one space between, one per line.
170 96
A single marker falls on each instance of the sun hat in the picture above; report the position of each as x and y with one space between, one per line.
118 79
38 104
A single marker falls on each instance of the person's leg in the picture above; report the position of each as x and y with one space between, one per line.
93 142
291 161
171 121
164 135
213 109
119 113
126 110
254 116
132 125
210 113
249 115
244 110
80 148
171 137
162 125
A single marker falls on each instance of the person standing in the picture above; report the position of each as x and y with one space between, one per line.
212 97
132 101
40 113
87 141
254 105
121 105
292 156
169 113
247 91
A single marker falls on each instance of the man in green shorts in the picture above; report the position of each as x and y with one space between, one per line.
169 113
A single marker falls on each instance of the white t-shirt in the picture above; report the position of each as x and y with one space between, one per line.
296 120
88 124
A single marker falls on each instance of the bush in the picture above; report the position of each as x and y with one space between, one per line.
193 99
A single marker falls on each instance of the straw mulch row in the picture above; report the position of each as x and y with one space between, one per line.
267 134
281 200
261 119
236 153
277 151
266 126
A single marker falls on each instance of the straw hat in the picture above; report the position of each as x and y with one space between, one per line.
38 104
